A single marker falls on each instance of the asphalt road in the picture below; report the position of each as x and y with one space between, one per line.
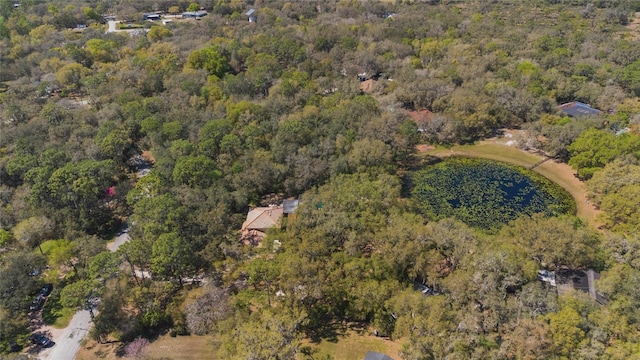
112 26
68 342
121 239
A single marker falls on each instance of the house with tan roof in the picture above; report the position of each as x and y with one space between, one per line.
258 221
420 117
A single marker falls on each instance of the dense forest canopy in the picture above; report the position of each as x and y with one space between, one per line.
178 128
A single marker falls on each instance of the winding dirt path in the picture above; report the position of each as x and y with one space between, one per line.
501 149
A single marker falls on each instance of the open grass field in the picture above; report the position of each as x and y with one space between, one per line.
560 173
350 345
344 344
164 347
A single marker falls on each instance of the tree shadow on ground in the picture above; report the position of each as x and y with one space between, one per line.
51 311
328 332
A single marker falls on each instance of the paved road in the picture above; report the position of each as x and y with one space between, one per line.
121 239
112 27
68 342
68 339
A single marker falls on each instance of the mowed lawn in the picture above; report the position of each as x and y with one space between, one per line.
164 347
350 345
560 173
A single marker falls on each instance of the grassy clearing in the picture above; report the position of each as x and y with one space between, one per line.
184 347
165 347
351 346
346 342
560 173
92 350
129 26
57 316
489 151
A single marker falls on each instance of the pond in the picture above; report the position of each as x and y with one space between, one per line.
486 194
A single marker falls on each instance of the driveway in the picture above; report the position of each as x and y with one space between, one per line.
112 26
68 340
121 239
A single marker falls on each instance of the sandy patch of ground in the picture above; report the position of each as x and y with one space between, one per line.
148 156
634 25
423 148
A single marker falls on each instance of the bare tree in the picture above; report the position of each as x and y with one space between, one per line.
136 349
203 314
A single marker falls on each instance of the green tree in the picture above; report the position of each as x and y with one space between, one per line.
263 272
5 8
70 75
193 7
104 265
268 335
593 149
553 241
103 51
157 33
567 331
617 174
172 257
76 295
111 319
209 58
18 166
34 230
621 210
6 237
195 171
17 280
4 29
79 188
153 216
61 253
14 329
423 321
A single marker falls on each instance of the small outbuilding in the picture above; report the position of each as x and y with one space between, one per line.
150 16
579 280
421 118
578 109
290 206
194 14
252 15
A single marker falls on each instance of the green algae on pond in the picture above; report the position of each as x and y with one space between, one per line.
485 193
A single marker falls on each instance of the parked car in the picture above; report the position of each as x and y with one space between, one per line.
14 347
41 340
37 303
46 290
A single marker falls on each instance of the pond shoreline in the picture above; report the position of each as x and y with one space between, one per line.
560 173
485 193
